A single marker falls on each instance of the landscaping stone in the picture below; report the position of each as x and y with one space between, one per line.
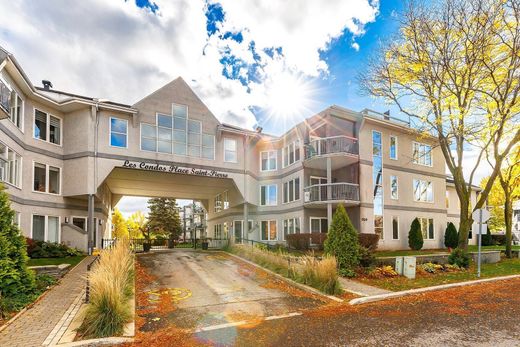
56 271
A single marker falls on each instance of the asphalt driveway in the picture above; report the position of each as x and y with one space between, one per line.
203 291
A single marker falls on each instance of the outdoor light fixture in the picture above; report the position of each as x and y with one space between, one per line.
67 220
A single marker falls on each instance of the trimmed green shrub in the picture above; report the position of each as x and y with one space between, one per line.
366 257
369 241
415 236
459 257
42 249
16 280
487 240
342 242
451 237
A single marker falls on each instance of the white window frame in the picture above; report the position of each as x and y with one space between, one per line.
217 208
20 171
47 167
110 132
214 146
310 223
268 158
418 159
22 110
396 148
241 221
46 226
398 228
269 230
225 200
291 182
17 218
421 182
267 194
427 230
79 217
294 219
188 138
286 150
397 185
224 149
48 127
141 137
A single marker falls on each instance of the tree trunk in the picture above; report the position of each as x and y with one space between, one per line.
508 218
464 225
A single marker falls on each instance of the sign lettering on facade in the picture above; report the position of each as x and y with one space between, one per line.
174 169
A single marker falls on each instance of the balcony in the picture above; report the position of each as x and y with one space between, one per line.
341 192
343 150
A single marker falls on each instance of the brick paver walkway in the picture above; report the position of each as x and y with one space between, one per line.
35 324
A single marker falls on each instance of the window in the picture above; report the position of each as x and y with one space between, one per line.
268 230
422 154
118 132
291 153
319 225
422 190
47 127
46 228
268 195
217 230
10 166
393 147
218 203
427 228
164 133
291 190
194 138
46 179
225 201
230 150
16 218
5 96
148 137
268 161
394 191
80 222
291 226
395 228
16 112
377 178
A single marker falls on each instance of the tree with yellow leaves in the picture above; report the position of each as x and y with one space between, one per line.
135 224
119 228
454 69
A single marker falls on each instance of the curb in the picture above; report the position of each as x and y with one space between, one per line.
106 341
287 280
381 297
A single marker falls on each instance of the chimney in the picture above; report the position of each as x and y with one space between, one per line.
259 129
47 84
387 115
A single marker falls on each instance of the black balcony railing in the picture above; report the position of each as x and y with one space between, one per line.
332 192
331 145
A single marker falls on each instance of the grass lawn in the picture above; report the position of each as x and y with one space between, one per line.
73 261
503 268
471 248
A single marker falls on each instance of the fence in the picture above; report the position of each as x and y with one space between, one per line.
139 245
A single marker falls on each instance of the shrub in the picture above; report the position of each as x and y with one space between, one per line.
383 271
487 240
366 257
342 242
451 237
320 274
415 237
41 249
111 286
459 257
302 241
16 280
369 241
499 240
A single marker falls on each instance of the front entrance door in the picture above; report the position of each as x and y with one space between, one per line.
238 231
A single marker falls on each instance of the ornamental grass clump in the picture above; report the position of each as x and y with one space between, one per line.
321 274
111 287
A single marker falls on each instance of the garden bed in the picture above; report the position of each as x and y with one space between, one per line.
503 268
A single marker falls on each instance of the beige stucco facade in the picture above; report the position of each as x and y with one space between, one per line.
169 144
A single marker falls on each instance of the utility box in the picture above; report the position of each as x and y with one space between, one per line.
409 264
399 265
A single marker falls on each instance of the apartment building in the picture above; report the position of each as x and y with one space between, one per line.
68 159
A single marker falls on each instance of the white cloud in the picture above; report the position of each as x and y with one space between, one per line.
355 45
113 49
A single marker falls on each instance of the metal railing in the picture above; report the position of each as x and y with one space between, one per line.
138 245
331 145
331 192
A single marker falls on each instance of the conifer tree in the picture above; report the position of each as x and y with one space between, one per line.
451 237
16 280
415 236
164 217
342 242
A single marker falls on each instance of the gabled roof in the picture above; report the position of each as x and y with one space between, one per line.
450 180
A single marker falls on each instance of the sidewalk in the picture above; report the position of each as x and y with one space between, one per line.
35 324
360 288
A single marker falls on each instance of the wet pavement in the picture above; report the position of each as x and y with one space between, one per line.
211 289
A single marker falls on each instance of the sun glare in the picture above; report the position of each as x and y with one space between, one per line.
289 96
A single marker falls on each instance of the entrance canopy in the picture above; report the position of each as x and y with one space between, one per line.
130 182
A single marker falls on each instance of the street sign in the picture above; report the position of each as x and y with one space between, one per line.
479 228
481 215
